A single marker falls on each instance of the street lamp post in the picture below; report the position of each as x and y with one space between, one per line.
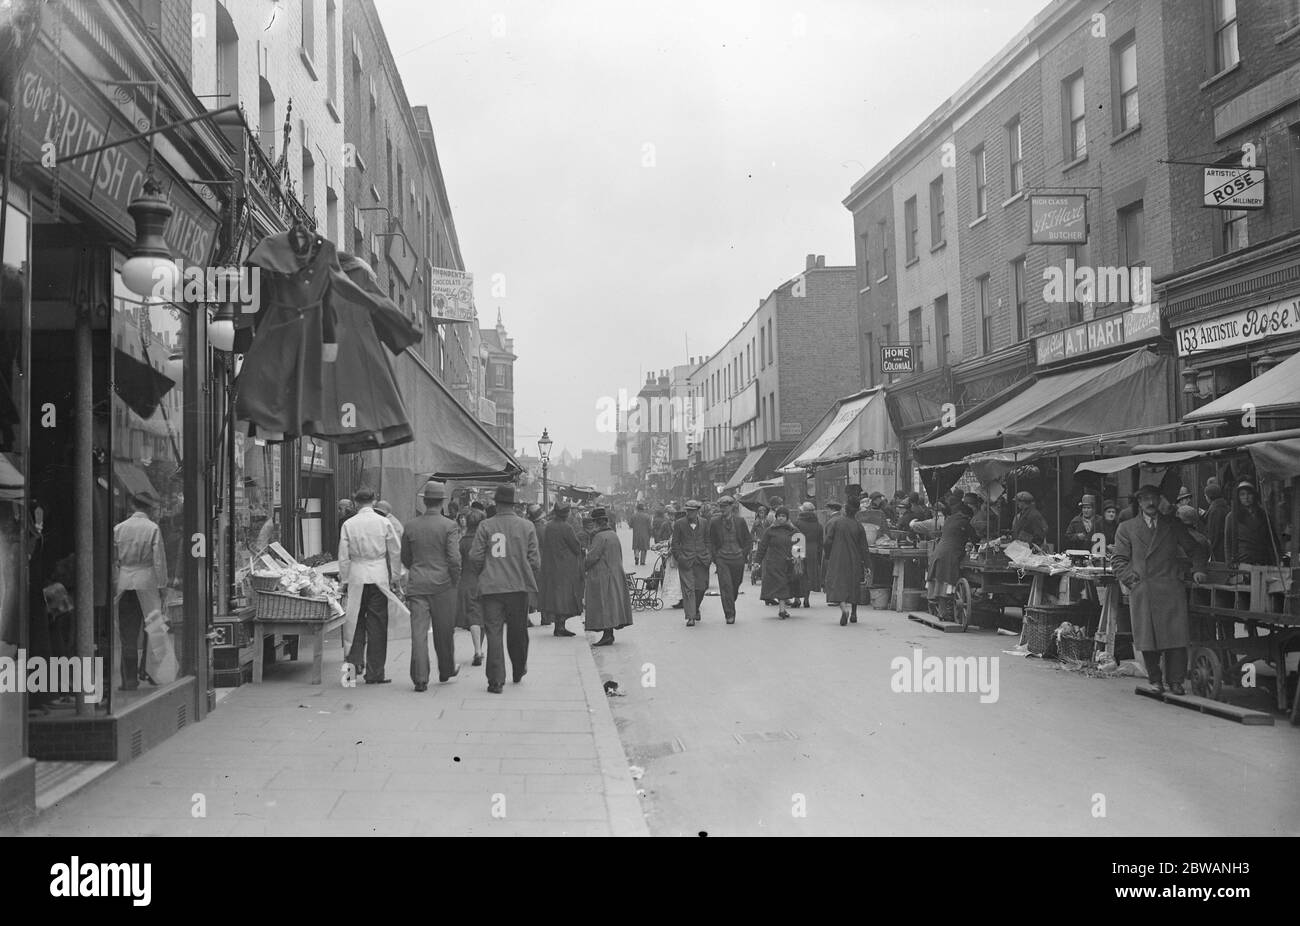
544 452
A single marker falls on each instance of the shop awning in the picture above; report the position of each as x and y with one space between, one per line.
753 494
134 480
451 444
745 469
11 478
1276 454
1278 388
856 427
1129 394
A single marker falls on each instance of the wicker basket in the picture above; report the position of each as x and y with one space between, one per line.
282 606
1076 649
1040 630
264 583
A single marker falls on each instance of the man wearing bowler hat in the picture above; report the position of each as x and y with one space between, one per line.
1146 562
431 554
690 548
506 553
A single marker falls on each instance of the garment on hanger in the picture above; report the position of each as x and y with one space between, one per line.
316 366
394 329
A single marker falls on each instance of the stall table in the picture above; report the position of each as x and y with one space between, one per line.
314 629
902 566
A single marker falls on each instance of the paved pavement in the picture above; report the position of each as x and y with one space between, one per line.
749 725
290 758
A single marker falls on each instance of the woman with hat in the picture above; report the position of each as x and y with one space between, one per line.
1078 534
775 552
813 537
608 604
1249 537
1028 526
945 563
560 596
469 614
1109 519
846 554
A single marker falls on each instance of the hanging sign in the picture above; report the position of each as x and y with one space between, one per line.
1234 188
1058 219
896 358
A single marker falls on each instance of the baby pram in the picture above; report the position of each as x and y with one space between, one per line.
644 590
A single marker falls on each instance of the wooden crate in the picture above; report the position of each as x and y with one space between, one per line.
1262 589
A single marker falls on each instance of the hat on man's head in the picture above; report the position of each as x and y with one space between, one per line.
434 490
807 506
1187 514
640 506
1088 500
504 495
562 505
1110 505
834 506
598 514
1213 491
1024 497
726 500
477 505
534 511
383 507
1247 484
1147 489
693 505
1184 492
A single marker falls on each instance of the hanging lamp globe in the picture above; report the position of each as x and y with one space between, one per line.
150 270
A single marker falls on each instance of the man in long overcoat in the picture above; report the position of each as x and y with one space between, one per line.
1146 562
561 593
609 606
640 524
690 548
846 555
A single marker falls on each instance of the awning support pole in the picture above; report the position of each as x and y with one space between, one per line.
84 482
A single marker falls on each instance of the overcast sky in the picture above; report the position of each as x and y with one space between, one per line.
643 174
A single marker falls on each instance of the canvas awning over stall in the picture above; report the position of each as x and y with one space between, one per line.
455 445
745 469
1279 388
856 427
1125 394
1276 454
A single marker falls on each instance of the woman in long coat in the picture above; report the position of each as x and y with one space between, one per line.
813 538
945 563
846 554
775 553
609 606
560 596
469 613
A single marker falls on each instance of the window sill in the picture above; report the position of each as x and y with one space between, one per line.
1288 35
882 279
979 221
334 113
1126 133
310 65
1015 198
1219 76
1082 159
940 246
913 262
865 289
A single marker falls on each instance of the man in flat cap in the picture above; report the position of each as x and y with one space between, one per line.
729 547
505 550
690 548
1146 562
431 554
1028 525
1078 533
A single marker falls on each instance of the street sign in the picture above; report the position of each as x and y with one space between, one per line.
896 358
1058 219
1234 188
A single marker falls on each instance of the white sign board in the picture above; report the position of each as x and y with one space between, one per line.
453 295
1246 326
1234 188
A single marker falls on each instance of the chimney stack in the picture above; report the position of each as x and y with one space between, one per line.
810 262
821 261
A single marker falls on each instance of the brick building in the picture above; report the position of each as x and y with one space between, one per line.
498 391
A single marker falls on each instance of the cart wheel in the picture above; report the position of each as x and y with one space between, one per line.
1206 673
657 604
962 604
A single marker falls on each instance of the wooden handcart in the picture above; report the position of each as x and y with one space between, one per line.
988 586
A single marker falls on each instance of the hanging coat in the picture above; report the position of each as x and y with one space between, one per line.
1146 563
562 583
288 386
608 605
846 552
814 538
774 552
945 562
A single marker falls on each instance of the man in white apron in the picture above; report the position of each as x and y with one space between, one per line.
141 576
368 553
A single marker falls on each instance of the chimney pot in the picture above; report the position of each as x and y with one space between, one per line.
821 260
810 261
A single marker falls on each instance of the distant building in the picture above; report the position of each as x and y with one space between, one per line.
498 366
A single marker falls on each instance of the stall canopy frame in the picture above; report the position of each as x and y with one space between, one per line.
1276 390
857 427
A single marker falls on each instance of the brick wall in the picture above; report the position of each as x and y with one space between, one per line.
817 335
877 279
175 32
1260 81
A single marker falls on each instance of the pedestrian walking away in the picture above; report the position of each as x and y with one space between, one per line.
469 609
1146 563
813 540
605 594
846 557
729 546
690 548
431 555
141 563
369 554
506 555
562 571
640 524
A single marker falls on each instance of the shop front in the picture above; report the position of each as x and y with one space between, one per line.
852 444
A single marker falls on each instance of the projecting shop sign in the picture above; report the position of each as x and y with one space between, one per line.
1234 188
896 358
1058 219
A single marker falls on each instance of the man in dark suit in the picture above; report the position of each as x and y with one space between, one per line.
640 524
1146 562
729 545
506 553
690 548
431 554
